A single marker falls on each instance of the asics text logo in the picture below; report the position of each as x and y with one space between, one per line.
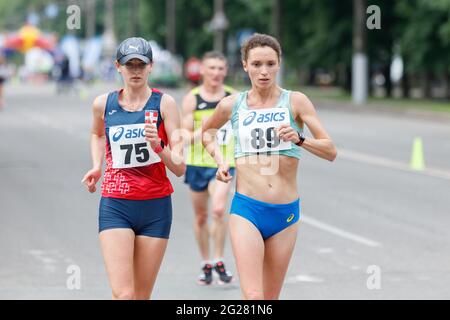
267 117
129 134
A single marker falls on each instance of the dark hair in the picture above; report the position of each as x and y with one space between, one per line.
260 40
214 55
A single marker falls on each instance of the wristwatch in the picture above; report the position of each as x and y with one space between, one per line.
159 148
301 139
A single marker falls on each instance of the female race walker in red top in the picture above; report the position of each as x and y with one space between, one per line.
268 124
136 124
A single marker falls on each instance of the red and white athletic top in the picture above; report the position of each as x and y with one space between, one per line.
133 170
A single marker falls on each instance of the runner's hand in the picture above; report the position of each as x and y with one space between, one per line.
90 179
151 135
223 173
286 133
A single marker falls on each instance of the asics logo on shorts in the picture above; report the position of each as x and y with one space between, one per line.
290 217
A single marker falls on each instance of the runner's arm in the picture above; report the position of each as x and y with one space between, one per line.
172 155
98 131
187 122
221 115
97 143
321 144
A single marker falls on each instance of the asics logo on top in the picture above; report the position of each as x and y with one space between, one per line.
112 112
129 134
290 217
118 134
202 105
268 117
249 118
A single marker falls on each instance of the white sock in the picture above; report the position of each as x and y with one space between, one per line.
204 262
218 260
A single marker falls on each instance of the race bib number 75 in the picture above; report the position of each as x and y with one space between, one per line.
129 148
257 130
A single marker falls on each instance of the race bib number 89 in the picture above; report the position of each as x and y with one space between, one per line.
257 130
129 148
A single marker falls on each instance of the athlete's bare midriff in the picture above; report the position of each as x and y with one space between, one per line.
268 178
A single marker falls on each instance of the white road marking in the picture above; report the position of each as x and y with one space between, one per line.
303 278
325 250
388 163
48 263
339 232
52 124
50 259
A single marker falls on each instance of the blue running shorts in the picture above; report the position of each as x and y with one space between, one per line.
198 178
151 218
268 218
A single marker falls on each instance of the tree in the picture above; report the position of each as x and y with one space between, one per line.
425 38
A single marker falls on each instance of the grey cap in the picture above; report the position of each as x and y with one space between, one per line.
134 48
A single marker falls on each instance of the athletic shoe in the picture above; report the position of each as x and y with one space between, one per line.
224 275
205 278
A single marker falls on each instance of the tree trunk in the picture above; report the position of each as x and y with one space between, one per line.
387 78
406 86
348 81
90 18
341 76
447 84
134 18
427 84
359 58
171 26
276 19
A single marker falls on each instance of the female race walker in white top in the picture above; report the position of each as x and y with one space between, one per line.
268 126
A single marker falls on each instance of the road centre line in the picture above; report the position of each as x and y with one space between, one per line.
338 232
389 163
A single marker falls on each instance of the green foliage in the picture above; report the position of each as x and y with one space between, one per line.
424 33
314 33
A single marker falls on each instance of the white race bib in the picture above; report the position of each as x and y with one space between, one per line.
257 130
129 148
224 134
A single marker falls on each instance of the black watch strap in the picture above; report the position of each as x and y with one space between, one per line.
301 139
